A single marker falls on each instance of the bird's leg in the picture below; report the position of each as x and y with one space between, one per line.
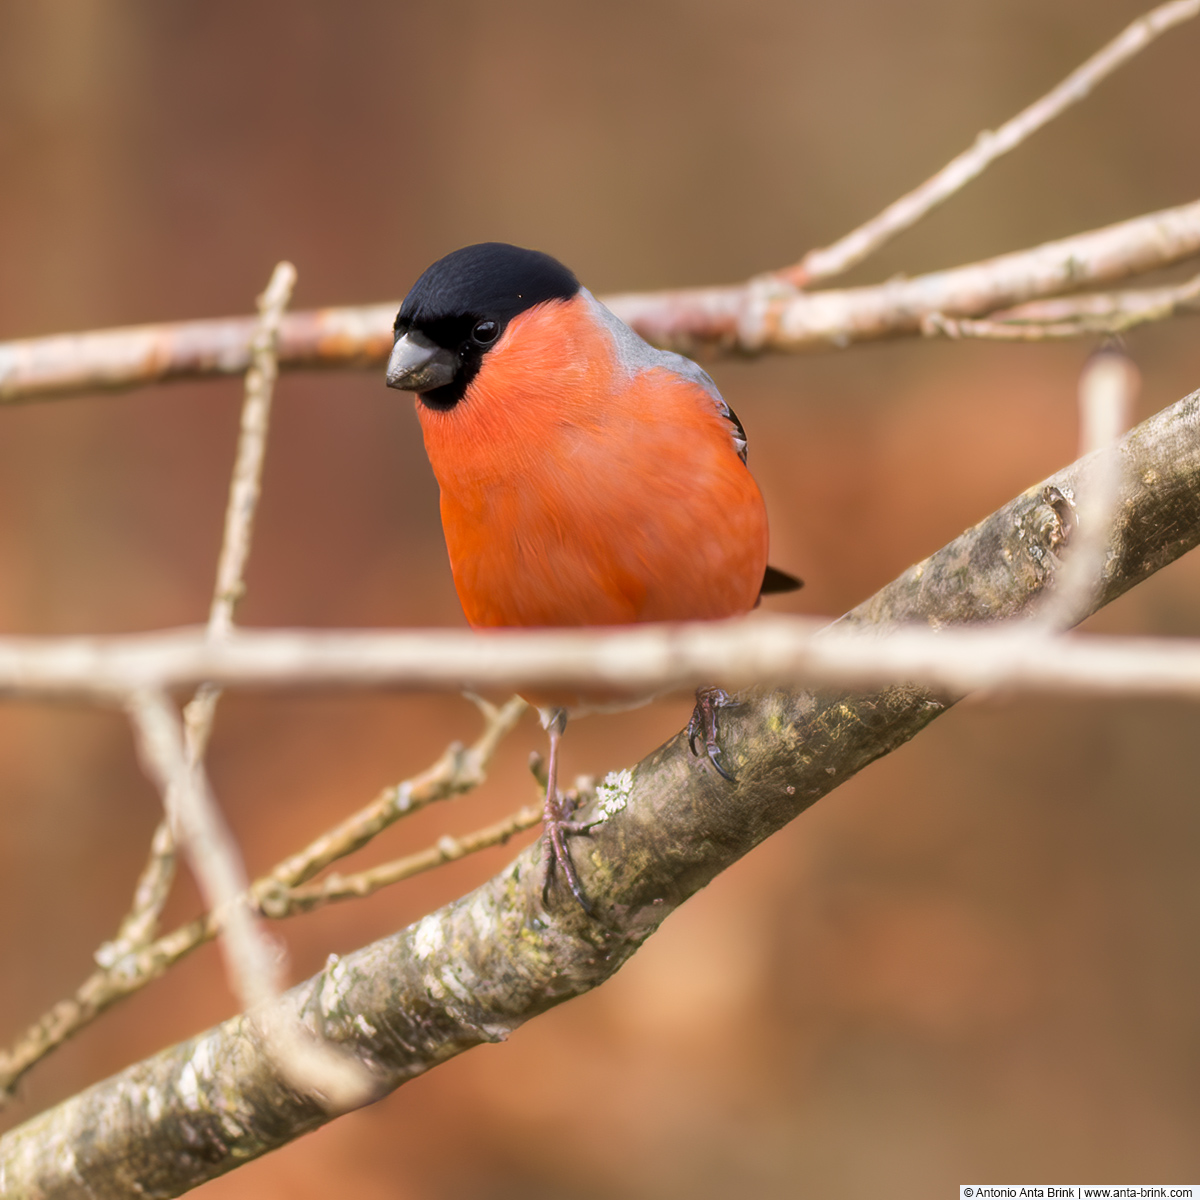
557 828
709 700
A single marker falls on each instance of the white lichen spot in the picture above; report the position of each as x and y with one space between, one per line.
202 1058
364 1025
428 937
613 793
189 1087
481 914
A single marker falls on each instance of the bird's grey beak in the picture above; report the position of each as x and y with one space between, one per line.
420 365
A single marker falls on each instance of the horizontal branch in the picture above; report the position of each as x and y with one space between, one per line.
477 969
1160 471
116 359
758 316
645 660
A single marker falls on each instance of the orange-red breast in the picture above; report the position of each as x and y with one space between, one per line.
586 477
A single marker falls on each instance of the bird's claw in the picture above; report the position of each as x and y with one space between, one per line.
557 830
703 726
714 757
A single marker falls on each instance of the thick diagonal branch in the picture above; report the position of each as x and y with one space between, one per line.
477 969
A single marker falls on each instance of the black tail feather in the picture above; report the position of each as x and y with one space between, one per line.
775 581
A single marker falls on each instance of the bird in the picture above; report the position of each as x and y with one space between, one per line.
586 477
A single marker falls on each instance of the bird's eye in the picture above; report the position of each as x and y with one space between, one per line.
485 332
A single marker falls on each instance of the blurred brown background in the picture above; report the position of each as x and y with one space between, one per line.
978 960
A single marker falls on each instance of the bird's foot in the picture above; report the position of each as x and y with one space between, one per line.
557 826
703 725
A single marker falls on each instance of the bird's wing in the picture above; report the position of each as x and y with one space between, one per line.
635 354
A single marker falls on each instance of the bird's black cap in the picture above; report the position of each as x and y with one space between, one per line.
491 279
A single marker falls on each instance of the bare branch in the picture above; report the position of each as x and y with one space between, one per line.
149 898
649 658
479 968
115 359
246 485
1096 314
902 214
646 659
104 988
365 883
763 315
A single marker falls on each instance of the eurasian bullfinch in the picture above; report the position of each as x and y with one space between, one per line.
586 478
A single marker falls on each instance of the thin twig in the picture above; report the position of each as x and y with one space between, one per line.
364 883
154 885
902 214
246 485
149 898
135 356
1094 314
